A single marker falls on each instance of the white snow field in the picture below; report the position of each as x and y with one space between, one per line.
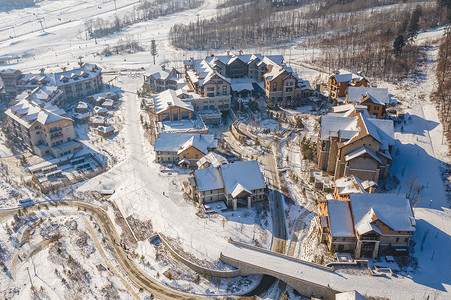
138 182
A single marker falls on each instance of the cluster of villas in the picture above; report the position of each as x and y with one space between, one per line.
36 116
207 85
187 103
95 111
354 148
214 178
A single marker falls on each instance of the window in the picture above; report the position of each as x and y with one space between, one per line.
212 107
405 240
184 155
210 89
289 89
197 155
274 85
290 83
210 94
397 239
220 82
224 89
205 107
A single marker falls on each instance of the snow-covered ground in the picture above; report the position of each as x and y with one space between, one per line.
138 182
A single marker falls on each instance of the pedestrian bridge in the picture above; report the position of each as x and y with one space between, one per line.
312 279
305 277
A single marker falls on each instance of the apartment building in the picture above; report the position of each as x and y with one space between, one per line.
42 126
76 84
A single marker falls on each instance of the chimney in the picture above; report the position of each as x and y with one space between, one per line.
64 69
163 67
240 52
41 71
228 52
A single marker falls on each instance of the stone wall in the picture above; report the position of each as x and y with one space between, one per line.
203 270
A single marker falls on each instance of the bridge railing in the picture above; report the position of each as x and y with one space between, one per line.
236 243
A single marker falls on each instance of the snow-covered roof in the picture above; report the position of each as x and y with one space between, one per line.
98 120
246 86
246 173
348 185
82 105
213 159
340 220
392 209
30 110
198 142
343 108
239 190
332 124
366 225
161 74
208 179
105 129
361 151
100 110
345 76
377 95
167 99
173 142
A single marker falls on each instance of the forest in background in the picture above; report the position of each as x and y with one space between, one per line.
146 10
442 94
373 36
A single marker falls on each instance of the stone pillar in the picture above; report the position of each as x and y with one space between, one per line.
358 249
248 201
376 249
332 159
234 201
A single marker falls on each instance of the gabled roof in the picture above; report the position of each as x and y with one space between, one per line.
245 173
348 185
361 151
391 209
340 220
345 76
239 190
167 99
208 179
331 125
213 159
366 225
173 142
377 95
197 142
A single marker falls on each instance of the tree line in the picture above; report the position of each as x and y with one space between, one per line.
442 94
378 40
146 10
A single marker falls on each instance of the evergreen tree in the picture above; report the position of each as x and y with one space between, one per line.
398 44
414 24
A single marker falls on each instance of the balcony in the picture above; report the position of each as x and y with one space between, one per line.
56 135
55 129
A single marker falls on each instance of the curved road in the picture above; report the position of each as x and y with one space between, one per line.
139 278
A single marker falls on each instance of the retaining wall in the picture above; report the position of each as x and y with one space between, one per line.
196 267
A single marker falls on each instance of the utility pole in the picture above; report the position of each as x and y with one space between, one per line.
115 7
41 20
